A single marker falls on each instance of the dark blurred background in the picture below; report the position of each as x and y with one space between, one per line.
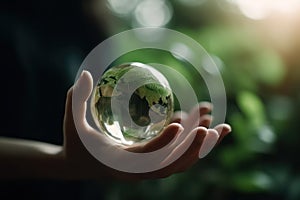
254 43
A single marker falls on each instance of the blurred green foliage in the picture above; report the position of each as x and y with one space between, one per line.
43 43
258 160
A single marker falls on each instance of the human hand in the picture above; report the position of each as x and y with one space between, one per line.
185 129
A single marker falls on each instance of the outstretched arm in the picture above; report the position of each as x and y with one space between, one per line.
30 159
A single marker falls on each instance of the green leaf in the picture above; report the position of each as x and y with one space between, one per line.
252 107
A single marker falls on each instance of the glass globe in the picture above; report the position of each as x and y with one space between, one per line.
132 103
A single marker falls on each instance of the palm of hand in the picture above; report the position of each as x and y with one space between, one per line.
184 129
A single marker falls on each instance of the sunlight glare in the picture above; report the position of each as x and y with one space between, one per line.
153 13
261 9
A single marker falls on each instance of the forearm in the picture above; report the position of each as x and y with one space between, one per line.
30 159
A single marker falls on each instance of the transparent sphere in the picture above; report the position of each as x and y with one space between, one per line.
132 103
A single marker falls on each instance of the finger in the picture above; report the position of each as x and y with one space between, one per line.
84 86
209 142
68 117
204 108
179 117
205 121
223 130
169 133
70 133
195 115
177 151
190 157
197 136
201 109
81 92
203 142
71 140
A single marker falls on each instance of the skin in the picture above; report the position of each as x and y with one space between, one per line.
24 159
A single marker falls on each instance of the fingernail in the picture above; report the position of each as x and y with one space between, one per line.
80 77
229 128
178 129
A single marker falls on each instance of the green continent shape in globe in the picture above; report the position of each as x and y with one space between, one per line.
152 92
150 105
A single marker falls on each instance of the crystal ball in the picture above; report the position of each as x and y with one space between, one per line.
132 103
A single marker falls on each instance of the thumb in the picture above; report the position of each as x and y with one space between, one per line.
83 87
81 92
76 109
